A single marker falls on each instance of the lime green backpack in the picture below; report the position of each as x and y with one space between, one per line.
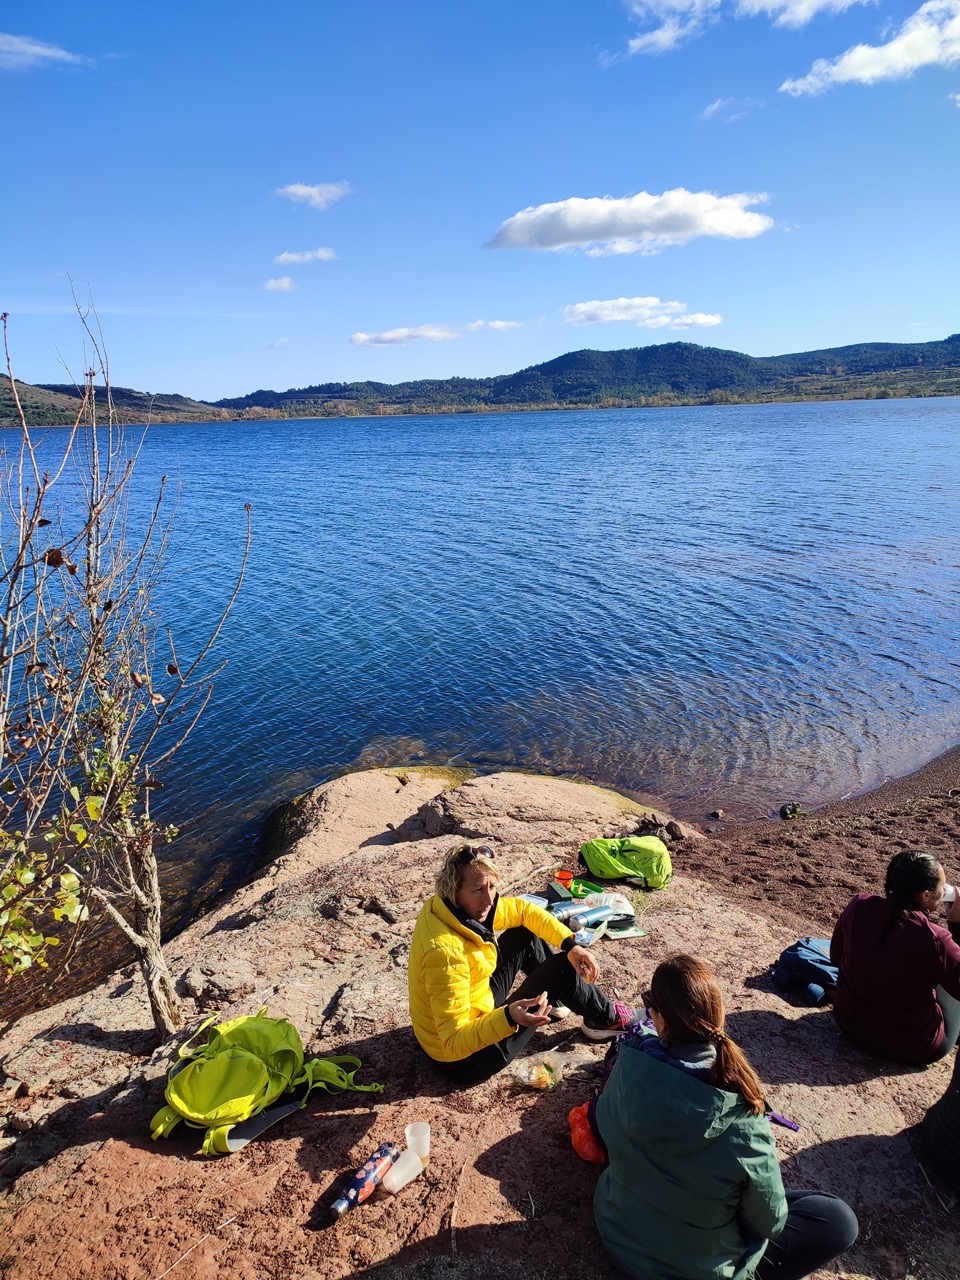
228 1086
643 860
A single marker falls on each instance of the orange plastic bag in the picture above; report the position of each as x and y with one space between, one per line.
581 1135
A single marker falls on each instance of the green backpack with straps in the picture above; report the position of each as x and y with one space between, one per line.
228 1086
643 860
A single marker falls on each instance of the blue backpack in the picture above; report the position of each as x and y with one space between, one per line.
805 969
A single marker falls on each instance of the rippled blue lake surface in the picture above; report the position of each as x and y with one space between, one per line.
730 606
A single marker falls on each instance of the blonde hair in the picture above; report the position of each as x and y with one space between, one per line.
450 875
687 996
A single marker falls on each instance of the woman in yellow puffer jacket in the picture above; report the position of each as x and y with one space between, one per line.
469 946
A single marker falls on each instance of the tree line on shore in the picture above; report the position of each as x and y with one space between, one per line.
675 373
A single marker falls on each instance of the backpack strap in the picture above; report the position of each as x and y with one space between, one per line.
164 1122
328 1073
186 1050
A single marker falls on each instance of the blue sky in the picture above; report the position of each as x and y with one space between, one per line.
280 195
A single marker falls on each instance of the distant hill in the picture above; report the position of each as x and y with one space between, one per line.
139 406
57 404
671 373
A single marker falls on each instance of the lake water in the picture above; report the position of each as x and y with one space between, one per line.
724 607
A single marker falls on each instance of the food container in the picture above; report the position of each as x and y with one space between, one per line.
545 1071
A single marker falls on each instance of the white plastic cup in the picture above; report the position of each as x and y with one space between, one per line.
418 1139
404 1169
949 894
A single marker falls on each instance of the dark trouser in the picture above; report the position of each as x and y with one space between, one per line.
819 1228
521 951
951 1023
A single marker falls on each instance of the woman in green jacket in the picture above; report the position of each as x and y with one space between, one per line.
693 1188
468 948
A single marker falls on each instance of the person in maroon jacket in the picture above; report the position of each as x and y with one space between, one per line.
898 993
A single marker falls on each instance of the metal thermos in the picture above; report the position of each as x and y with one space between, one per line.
588 917
564 910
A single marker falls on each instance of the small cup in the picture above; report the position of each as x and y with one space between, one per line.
404 1169
949 894
565 878
418 1139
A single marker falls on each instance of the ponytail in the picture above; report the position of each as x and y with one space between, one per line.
733 1072
687 996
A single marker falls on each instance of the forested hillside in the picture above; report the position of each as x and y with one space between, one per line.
671 373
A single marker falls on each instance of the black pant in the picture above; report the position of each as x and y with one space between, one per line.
950 1008
521 951
819 1228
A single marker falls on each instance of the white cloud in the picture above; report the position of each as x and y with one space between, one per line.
730 110
717 105
643 223
699 318
319 196
676 21
645 313
954 98
17 53
277 343
794 13
492 324
673 22
280 284
930 37
474 325
399 337
308 255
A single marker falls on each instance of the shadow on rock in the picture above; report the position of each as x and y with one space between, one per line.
239 920
116 1112
808 1050
139 1043
763 982
874 1173
395 1060
508 1251
541 1175
407 832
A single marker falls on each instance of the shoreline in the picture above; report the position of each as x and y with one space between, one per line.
710 400
761 840
309 941
803 871
939 774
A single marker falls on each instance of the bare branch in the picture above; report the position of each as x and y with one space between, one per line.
84 724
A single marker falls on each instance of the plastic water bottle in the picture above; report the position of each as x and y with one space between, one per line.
363 1183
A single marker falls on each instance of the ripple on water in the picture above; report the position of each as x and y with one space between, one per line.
734 606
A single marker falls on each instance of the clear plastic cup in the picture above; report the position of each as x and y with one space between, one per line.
949 894
404 1169
418 1139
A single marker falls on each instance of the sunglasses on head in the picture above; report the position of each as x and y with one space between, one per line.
646 999
470 854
